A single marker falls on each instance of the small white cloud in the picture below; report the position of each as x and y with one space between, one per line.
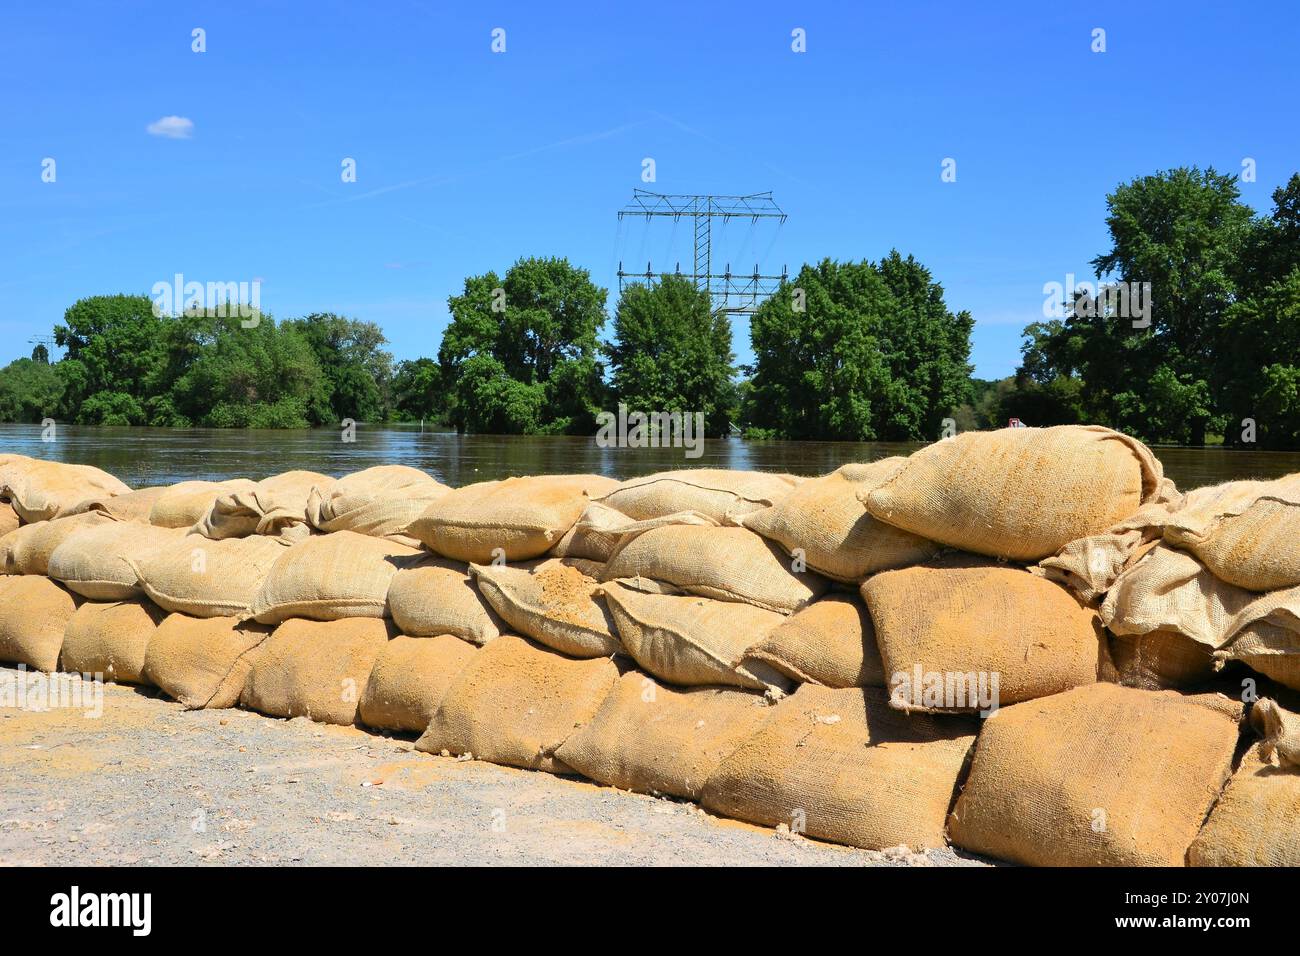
172 127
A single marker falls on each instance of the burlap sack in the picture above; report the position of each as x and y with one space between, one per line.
9 520
332 576
315 669
185 503
554 602
205 578
437 596
379 501
275 506
652 738
1271 649
1280 730
830 642
28 549
1161 660
731 564
1246 532
515 703
41 490
34 612
957 624
1253 824
1101 775
409 679
514 520
718 493
111 639
99 562
203 662
600 529
691 640
1020 493
133 506
841 765
824 520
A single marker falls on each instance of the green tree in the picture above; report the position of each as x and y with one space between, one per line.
417 390
29 391
358 371
113 344
671 352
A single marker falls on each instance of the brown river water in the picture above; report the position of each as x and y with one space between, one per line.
154 456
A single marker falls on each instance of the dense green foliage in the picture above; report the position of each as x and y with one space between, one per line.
875 354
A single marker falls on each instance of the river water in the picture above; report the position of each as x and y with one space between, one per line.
153 456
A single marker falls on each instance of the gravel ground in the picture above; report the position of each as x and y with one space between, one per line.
150 783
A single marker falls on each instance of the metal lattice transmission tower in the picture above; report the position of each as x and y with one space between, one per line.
727 291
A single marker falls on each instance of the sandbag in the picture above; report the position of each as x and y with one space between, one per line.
436 596
1271 649
652 738
690 640
1246 532
1253 824
27 550
824 520
841 765
730 564
315 669
516 702
132 506
203 662
275 506
185 503
332 576
34 612
830 642
409 679
512 520
719 493
205 578
1161 660
42 490
111 639
99 562
965 624
600 529
1019 493
552 601
379 501
9 520
1280 730
1101 775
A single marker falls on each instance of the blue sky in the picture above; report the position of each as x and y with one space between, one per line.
467 160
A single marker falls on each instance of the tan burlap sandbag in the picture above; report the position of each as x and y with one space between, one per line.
554 602
275 506
691 640
1269 648
99 562
1254 822
653 738
203 662
9 520
111 639
841 765
185 503
600 529
41 490
830 642
1020 493
824 520
133 506
409 678
436 596
730 564
1161 660
512 520
1246 532
955 624
315 669
205 578
379 501
28 549
718 493
34 612
516 702
1101 775
332 576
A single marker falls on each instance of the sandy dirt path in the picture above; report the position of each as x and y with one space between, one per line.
150 783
